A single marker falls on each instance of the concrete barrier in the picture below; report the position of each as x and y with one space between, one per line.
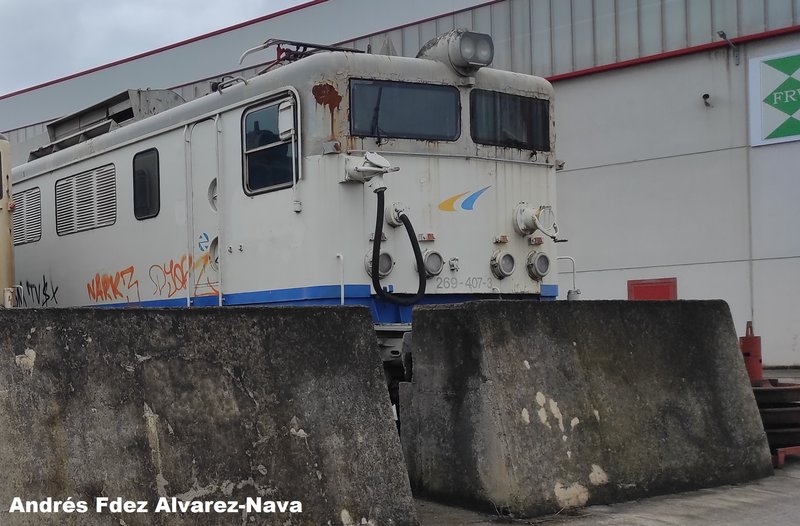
529 408
281 404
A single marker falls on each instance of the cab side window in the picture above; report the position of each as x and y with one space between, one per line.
268 160
146 184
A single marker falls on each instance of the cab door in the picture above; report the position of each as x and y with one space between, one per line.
204 225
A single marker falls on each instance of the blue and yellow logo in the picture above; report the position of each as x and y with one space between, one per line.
459 202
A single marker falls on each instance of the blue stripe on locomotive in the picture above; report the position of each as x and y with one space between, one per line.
382 311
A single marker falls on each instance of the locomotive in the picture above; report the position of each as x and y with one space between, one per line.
339 177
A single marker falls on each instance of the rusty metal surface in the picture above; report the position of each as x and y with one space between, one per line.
326 95
779 457
782 438
779 406
781 416
751 350
772 392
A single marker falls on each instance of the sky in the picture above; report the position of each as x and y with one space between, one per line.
44 40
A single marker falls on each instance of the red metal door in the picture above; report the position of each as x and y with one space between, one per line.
653 289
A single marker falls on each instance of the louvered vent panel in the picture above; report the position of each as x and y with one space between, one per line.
86 201
27 218
106 188
65 206
18 219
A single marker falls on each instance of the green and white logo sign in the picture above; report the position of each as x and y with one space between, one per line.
775 99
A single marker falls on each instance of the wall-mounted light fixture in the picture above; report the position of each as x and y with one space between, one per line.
735 49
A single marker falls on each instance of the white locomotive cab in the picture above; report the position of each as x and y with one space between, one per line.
267 191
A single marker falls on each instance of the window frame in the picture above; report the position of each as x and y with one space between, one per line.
157 185
518 146
459 110
294 144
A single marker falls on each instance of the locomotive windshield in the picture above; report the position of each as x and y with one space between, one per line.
504 119
404 110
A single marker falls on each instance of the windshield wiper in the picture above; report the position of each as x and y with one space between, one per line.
375 115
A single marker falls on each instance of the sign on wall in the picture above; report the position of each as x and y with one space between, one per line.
775 98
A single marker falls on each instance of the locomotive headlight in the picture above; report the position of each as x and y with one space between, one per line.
538 265
502 264
385 264
468 49
464 50
485 51
434 263
471 50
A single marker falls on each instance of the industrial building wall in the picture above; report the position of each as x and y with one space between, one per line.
556 37
659 185
775 208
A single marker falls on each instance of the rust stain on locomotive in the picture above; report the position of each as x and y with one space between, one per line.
326 95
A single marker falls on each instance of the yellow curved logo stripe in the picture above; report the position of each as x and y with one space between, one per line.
448 205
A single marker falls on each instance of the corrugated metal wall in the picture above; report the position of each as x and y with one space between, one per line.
551 37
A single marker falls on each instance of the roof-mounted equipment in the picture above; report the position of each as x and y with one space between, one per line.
466 52
124 108
288 51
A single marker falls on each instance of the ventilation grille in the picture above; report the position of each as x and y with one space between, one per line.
86 201
26 222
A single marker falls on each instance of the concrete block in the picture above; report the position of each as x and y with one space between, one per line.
285 404
529 408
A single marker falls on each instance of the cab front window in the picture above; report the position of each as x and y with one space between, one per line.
508 120
404 110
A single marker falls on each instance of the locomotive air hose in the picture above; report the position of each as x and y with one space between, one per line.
376 253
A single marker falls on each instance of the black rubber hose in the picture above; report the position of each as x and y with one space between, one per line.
376 254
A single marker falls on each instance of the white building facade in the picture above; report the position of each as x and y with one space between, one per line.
679 122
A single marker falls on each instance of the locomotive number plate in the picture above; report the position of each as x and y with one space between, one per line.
471 283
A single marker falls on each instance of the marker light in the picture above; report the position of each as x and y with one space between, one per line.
434 263
467 49
385 264
485 52
502 264
538 265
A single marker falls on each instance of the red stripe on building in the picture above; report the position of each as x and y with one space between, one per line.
167 48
